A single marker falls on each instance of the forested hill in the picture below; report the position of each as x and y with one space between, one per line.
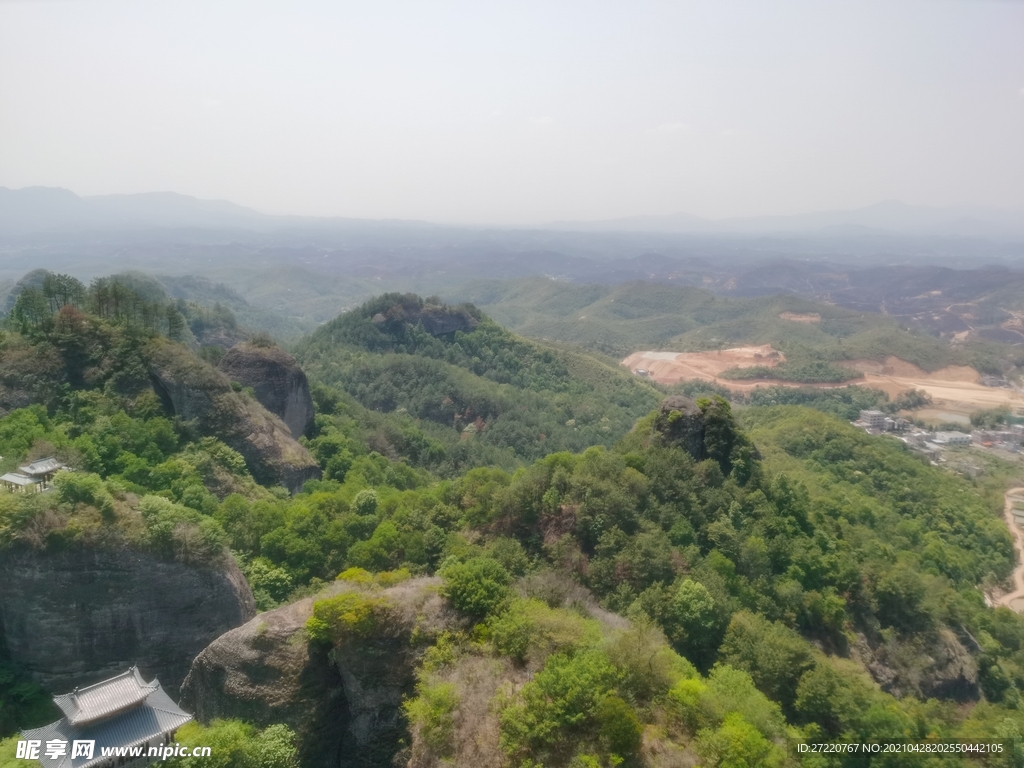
522 555
462 391
620 319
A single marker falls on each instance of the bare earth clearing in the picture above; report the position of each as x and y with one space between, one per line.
808 317
954 389
673 367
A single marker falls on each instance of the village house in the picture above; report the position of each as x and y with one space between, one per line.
873 419
951 438
103 722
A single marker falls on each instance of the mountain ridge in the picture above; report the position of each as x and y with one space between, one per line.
40 209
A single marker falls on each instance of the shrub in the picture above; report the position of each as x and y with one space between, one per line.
737 743
510 554
347 615
806 373
176 531
365 503
774 655
477 586
262 340
432 714
234 744
83 488
273 747
390 578
23 703
270 584
356 576
564 696
649 667
618 725
704 704
693 621
8 750
378 552
529 628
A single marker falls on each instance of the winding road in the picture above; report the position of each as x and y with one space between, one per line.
1017 595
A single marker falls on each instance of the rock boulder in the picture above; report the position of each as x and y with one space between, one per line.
278 381
343 702
681 422
195 391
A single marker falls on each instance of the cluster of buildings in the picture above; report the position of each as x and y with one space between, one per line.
1011 438
933 444
36 476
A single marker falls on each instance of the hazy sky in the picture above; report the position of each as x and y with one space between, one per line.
518 112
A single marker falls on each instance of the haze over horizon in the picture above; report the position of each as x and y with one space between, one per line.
519 114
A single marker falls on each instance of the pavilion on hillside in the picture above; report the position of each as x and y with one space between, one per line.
119 713
36 476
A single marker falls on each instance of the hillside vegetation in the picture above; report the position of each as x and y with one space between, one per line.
620 319
468 391
627 580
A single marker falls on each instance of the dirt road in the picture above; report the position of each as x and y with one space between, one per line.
1015 599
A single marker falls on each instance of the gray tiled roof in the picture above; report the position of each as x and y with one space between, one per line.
18 479
154 717
42 466
84 705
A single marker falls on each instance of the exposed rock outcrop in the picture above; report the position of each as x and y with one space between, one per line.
344 703
705 429
74 616
949 670
682 423
277 380
437 319
195 391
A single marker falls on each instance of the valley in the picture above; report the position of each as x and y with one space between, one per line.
445 528
511 385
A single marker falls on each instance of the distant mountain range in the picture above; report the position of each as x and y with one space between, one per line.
46 210
889 217
49 210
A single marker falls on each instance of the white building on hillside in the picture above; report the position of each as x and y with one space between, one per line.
951 438
874 419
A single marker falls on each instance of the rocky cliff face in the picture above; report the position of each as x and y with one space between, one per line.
682 423
194 391
344 703
75 616
436 319
278 381
949 670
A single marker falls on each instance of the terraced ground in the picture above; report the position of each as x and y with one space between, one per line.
955 389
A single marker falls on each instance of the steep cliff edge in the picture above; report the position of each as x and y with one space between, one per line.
194 391
343 702
72 616
277 380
